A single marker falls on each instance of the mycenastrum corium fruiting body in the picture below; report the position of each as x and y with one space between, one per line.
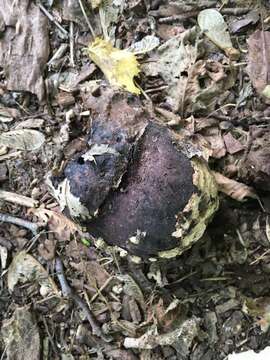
144 191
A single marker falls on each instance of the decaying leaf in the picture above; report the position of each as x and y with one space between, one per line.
95 273
109 12
183 336
249 19
233 188
119 66
206 85
57 222
8 114
216 142
212 23
255 167
131 288
24 46
172 61
21 335
259 309
147 44
25 268
259 62
22 139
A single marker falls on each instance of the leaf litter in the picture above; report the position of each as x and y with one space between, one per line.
191 74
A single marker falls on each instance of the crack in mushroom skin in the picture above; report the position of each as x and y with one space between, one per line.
149 194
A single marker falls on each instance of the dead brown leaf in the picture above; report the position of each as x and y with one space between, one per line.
24 46
255 167
93 271
170 316
233 146
47 249
214 138
259 62
206 85
57 222
233 188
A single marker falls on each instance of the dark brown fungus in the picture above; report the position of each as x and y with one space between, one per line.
143 191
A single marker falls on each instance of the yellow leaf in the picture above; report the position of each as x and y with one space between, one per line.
119 66
95 3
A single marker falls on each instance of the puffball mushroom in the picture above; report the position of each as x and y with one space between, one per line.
144 191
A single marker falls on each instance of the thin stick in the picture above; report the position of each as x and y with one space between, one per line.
50 336
93 298
20 222
51 18
68 292
86 19
71 44
18 199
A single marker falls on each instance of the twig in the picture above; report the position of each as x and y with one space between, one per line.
50 336
93 298
235 11
86 19
58 54
71 43
51 18
10 155
178 18
68 292
18 199
20 222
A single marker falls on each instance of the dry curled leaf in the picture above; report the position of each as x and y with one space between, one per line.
233 188
25 268
119 66
22 139
259 62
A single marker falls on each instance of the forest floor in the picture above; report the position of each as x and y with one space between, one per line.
203 73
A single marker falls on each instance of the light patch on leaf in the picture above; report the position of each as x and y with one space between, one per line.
148 43
119 66
25 268
22 139
98 149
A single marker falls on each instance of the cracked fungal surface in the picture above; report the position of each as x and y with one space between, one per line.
145 190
